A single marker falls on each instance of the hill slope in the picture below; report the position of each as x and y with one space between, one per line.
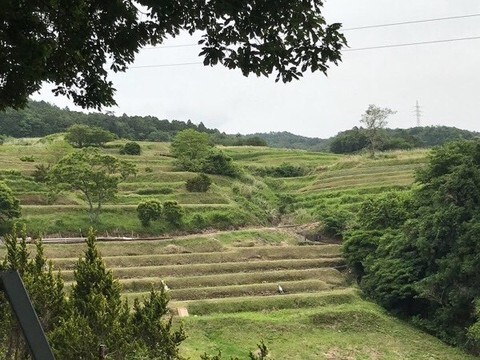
228 282
328 181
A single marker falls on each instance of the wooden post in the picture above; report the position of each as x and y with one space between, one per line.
102 352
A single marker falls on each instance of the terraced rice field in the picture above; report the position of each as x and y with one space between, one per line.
205 268
229 281
331 180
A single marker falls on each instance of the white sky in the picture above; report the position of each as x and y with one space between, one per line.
444 78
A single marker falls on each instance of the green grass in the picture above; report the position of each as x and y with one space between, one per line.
228 281
269 303
352 330
248 200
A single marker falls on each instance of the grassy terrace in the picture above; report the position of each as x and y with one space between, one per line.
228 282
331 180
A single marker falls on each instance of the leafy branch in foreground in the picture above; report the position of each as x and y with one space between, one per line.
74 46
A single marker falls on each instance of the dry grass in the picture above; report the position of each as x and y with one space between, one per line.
328 275
211 269
243 290
235 255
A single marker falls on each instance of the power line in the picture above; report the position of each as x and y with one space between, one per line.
168 46
413 44
165 65
411 22
344 50
349 29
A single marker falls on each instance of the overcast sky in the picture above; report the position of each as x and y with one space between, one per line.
444 78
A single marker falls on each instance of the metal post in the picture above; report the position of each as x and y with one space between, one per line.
11 283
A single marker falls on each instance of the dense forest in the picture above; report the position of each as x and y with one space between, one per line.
356 139
41 118
417 252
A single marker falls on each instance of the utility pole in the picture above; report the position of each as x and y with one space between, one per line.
418 113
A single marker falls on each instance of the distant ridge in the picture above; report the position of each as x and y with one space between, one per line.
354 140
285 139
41 118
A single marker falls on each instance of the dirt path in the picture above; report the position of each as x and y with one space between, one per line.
74 240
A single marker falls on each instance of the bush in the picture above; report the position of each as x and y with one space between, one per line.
198 222
200 183
149 191
131 148
9 205
79 135
222 220
173 213
165 190
218 163
334 222
148 169
148 211
284 170
40 174
27 158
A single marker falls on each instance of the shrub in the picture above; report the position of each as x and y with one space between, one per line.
200 183
148 211
334 222
131 148
165 190
40 174
148 169
198 222
149 191
27 158
79 135
173 213
221 220
9 205
285 170
218 163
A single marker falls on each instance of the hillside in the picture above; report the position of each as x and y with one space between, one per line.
40 118
228 282
328 181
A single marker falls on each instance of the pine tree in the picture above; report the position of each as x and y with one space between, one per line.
96 299
152 325
45 290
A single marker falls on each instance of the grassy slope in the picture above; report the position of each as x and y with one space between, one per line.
359 330
228 280
332 181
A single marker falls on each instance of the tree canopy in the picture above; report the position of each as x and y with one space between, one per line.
79 135
418 254
73 44
375 119
190 148
9 205
95 175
